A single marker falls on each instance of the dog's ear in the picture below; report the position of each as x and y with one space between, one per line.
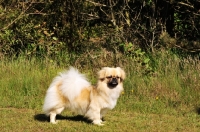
123 74
102 73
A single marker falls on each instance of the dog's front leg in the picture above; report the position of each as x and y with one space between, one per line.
94 116
98 122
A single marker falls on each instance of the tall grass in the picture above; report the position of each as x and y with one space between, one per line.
172 86
23 81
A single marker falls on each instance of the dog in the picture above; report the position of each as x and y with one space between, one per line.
71 90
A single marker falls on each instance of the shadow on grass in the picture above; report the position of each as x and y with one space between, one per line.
198 110
44 118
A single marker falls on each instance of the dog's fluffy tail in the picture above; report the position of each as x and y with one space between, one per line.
67 84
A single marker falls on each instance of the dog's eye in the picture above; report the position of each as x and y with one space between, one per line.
117 77
109 77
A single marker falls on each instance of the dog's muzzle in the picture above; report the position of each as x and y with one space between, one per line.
113 83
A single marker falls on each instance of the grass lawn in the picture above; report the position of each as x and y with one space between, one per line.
167 100
32 120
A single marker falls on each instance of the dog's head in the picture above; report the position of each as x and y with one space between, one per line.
111 76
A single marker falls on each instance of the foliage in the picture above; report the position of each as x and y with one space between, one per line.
138 56
46 28
28 36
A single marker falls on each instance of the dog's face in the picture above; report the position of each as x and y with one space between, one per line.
112 76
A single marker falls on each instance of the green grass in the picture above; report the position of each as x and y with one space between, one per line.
31 120
167 99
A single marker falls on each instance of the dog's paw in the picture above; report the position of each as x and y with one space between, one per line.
98 122
54 122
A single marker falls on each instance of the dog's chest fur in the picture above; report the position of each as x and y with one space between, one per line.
108 100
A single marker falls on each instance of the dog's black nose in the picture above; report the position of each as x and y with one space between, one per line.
113 83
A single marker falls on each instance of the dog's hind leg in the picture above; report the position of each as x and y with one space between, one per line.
54 113
53 118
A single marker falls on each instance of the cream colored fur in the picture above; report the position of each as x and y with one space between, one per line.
71 90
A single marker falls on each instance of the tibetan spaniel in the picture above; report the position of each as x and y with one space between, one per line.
71 90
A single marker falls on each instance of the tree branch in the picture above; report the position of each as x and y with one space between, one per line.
185 4
96 4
